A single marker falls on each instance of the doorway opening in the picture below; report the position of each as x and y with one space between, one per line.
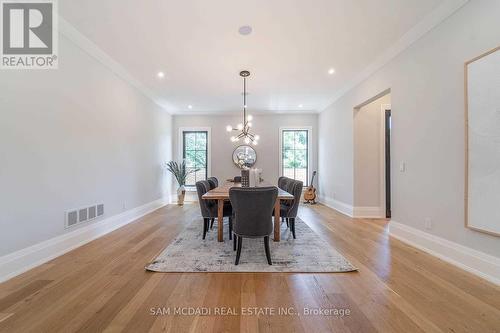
372 157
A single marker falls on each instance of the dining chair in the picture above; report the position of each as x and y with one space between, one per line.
282 182
289 208
213 185
209 208
214 182
252 208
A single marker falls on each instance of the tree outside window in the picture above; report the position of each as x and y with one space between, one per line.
195 152
295 154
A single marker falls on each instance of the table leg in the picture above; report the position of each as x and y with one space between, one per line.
220 220
277 222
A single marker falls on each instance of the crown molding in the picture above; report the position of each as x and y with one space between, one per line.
433 19
239 113
89 47
429 22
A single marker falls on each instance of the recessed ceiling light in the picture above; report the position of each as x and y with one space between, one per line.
331 71
300 105
190 106
245 30
160 75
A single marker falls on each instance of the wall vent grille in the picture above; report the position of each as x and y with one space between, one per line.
100 210
92 212
81 215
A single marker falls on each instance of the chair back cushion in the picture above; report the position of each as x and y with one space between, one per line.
295 188
215 180
253 208
287 184
282 182
206 206
211 183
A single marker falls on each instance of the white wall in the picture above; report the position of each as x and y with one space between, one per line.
267 126
73 137
368 133
427 92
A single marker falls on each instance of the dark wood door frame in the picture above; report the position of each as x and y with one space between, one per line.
387 163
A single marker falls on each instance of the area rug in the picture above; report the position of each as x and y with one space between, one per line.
308 253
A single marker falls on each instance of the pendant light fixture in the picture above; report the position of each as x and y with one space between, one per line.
244 127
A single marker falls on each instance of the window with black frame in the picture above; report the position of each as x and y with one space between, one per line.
295 154
195 152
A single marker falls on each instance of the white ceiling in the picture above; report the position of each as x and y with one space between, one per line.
197 44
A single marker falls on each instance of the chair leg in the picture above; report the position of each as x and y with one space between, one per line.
240 241
292 226
205 225
268 253
230 228
212 223
287 223
235 241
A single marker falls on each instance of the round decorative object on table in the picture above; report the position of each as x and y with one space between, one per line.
244 157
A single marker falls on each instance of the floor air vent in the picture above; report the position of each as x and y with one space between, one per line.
81 215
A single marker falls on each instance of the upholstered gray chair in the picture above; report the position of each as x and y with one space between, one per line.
290 208
282 182
214 182
252 208
209 208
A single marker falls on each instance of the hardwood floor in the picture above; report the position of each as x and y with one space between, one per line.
102 286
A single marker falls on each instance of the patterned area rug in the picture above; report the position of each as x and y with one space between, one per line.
308 253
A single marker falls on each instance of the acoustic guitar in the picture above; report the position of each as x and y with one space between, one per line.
310 193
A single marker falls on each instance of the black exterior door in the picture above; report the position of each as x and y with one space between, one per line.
388 163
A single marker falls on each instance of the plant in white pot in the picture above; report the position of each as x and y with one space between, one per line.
180 173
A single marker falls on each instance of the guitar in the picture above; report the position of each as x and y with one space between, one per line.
310 193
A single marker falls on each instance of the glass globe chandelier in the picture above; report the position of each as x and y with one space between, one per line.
244 127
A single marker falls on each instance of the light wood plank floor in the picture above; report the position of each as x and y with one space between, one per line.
102 286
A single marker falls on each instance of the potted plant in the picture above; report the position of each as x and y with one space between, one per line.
180 173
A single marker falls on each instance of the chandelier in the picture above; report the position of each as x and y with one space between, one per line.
244 128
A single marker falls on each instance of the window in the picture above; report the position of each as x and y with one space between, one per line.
295 154
195 152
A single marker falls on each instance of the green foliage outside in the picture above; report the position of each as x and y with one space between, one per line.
294 149
195 149
195 155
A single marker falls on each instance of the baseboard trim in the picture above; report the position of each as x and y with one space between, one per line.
481 264
173 198
337 205
25 259
368 212
188 199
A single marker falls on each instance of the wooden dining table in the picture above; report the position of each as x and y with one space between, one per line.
221 194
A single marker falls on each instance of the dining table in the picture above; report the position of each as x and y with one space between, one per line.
221 194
